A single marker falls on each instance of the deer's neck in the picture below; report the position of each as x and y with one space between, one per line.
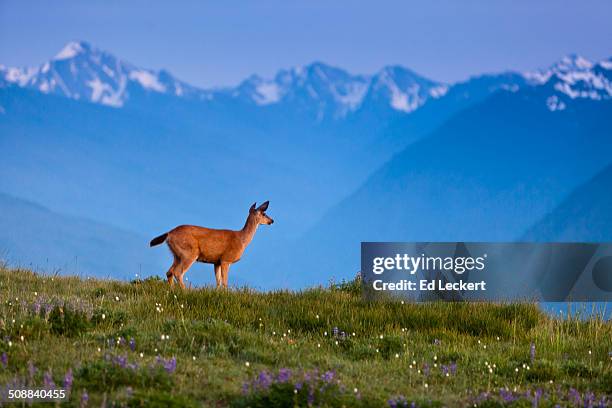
248 231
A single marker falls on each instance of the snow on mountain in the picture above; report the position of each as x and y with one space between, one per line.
328 89
404 90
80 71
83 72
333 89
574 77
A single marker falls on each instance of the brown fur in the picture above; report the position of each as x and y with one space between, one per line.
221 248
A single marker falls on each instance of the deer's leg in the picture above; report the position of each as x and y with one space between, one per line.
225 272
218 276
170 273
181 268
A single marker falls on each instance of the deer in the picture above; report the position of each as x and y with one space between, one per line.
220 247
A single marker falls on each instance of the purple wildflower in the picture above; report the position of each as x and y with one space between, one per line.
4 359
506 395
328 377
68 380
284 374
31 370
84 398
170 365
48 380
426 369
245 388
121 361
264 380
132 344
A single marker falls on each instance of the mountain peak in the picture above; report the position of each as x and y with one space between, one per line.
573 62
72 49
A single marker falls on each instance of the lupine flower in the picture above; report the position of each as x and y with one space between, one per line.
132 344
170 365
4 359
84 398
68 380
328 377
264 380
284 374
31 370
48 380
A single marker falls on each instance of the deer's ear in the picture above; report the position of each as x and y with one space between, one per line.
252 207
264 206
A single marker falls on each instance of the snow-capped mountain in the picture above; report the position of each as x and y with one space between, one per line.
322 87
335 91
574 77
403 90
83 72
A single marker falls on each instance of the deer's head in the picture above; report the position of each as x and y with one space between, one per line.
259 213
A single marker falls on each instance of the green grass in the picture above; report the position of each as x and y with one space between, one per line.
224 339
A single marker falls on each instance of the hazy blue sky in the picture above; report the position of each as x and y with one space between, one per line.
210 44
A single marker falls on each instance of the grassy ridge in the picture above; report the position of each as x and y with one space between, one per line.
141 343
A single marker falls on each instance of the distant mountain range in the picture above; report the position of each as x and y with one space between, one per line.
342 157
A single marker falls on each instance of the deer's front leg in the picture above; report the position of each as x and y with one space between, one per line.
225 272
218 276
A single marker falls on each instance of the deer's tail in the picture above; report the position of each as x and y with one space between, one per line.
158 240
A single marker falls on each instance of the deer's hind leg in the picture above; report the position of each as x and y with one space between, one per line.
182 267
170 273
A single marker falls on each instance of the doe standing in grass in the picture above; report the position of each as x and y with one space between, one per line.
189 243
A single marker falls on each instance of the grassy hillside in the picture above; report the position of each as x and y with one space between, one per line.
141 344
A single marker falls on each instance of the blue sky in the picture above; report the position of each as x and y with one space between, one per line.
221 43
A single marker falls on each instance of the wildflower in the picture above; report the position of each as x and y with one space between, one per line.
284 374
48 380
117 298
84 398
247 364
532 352
328 376
194 358
68 380
264 380
170 365
132 344
141 355
4 359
